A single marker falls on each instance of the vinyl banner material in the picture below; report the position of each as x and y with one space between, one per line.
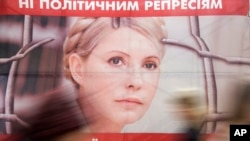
127 70
125 7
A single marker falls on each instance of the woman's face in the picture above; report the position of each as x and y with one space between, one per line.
119 77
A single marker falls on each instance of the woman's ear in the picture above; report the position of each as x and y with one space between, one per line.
75 66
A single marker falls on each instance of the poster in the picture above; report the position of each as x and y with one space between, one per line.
203 44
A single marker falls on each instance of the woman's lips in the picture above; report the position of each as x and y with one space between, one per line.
130 101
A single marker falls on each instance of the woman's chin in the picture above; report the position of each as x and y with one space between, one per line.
130 118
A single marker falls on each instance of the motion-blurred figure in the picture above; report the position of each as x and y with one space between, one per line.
240 109
52 116
190 107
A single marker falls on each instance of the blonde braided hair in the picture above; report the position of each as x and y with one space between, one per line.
86 33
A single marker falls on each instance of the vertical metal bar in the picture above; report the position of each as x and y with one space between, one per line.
27 30
209 76
9 95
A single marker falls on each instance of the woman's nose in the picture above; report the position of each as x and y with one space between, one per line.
135 79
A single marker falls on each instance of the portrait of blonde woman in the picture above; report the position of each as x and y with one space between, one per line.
114 64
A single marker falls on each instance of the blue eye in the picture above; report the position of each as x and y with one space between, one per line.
116 61
150 66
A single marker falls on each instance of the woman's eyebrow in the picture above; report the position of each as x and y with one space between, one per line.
121 52
153 57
